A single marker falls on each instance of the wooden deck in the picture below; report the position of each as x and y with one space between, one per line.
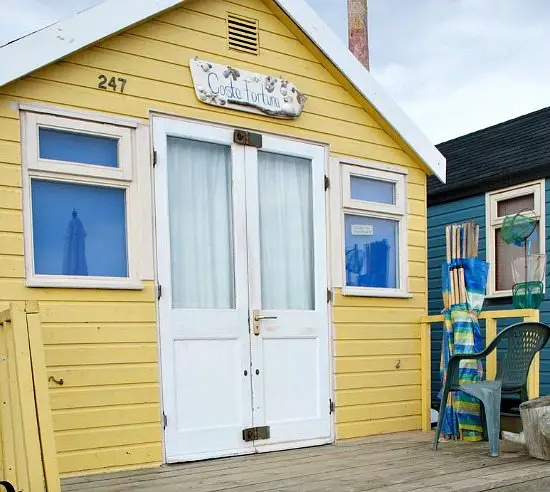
397 462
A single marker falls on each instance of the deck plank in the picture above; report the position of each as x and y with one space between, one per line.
393 463
529 486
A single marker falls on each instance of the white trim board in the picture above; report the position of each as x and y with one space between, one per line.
59 40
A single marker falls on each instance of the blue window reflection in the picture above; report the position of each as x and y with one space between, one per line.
79 229
372 190
67 146
372 249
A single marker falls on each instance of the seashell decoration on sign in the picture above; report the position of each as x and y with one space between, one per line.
226 86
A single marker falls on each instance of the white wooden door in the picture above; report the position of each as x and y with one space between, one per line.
288 292
203 309
240 238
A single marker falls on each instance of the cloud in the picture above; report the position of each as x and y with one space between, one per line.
456 66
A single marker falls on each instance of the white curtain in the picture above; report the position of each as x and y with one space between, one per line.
286 232
201 232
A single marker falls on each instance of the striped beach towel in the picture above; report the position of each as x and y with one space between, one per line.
462 335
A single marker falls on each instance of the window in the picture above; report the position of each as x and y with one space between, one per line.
374 251
527 198
79 187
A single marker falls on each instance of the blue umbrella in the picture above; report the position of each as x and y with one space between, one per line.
74 257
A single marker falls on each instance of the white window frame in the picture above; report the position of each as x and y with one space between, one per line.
493 222
342 170
122 177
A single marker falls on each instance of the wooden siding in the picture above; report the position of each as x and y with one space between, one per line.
103 343
458 211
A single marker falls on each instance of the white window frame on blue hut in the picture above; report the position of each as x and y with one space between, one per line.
389 184
493 222
116 179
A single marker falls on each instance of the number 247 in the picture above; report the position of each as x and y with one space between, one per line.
105 83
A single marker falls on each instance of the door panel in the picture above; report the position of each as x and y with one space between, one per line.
201 249
287 275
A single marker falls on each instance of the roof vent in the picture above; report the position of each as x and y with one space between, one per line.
242 33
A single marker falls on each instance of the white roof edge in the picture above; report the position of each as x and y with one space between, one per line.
29 53
59 40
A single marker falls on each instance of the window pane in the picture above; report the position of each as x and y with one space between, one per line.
505 254
67 146
372 190
515 205
372 252
79 229
201 225
286 232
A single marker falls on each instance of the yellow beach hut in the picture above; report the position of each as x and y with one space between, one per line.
221 219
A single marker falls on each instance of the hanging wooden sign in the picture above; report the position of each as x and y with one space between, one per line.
224 86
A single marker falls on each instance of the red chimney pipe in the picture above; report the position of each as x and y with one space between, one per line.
358 30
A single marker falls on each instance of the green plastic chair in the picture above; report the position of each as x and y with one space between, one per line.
523 341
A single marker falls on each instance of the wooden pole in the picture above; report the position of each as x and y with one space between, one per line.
448 242
462 285
447 296
459 243
451 272
471 234
464 237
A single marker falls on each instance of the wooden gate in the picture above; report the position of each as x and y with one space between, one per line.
27 449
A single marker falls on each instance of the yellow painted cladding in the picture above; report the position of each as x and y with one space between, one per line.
104 343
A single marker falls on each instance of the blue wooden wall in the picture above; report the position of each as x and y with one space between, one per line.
460 211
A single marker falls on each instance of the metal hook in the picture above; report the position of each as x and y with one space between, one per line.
60 382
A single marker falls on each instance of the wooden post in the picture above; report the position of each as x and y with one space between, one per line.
43 409
533 380
426 380
8 440
30 444
535 417
490 334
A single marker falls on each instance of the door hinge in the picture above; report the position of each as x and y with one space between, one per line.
164 420
256 433
329 295
250 139
159 291
331 406
154 158
327 182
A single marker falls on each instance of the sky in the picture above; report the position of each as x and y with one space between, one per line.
454 66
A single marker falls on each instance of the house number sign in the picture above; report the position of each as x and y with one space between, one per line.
225 86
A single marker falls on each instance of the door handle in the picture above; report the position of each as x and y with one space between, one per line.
256 318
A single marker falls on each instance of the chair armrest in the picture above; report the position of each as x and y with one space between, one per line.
454 362
478 355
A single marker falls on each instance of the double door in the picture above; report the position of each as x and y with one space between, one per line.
243 314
